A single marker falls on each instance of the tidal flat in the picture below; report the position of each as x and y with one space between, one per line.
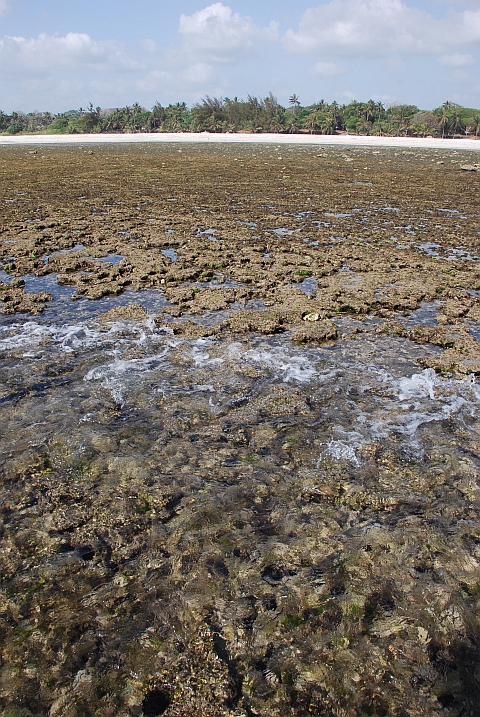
240 431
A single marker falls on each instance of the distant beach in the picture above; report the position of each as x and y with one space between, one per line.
348 140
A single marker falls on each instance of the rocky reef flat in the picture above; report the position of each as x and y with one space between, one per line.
240 430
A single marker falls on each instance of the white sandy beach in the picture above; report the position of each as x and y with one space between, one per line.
205 137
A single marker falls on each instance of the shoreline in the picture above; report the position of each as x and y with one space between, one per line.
205 137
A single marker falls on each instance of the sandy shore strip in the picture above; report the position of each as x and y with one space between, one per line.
206 137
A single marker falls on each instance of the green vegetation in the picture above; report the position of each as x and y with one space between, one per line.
254 114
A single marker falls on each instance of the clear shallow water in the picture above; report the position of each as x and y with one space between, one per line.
150 470
58 378
64 308
363 392
170 253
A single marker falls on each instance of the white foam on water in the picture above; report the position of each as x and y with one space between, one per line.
286 366
366 403
36 338
200 355
420 385
401 406
114 376
340 451
67 338
427 397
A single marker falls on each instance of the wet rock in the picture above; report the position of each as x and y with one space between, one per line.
214 299
98 291
265 322
315 332
269 602
104 443
252 526
18 283
85 552
193 331
463 359
454 309
180 294
155 703
276 574
130 312
13 299
171 311
436 335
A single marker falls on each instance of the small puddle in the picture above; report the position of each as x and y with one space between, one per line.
425 315
309 286
209 233
429 248
170 254
461 254
283 232
110 258
77 247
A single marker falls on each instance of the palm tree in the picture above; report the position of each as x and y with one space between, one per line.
293 124
311 121
295 102
278 123
448 117
380 110
336 113
382 128
328 124
320 106
370 108
458 126
444 119
364 127
475 124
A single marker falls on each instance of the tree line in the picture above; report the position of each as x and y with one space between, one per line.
217 114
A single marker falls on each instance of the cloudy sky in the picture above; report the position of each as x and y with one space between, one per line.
62 54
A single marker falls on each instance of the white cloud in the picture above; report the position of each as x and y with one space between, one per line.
460 77
220 34
48 54
376 28
456 60
150 46
216 27
196 74
328 69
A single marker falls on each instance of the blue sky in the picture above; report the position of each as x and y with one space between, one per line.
61 54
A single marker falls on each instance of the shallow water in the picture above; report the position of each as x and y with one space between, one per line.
158 470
